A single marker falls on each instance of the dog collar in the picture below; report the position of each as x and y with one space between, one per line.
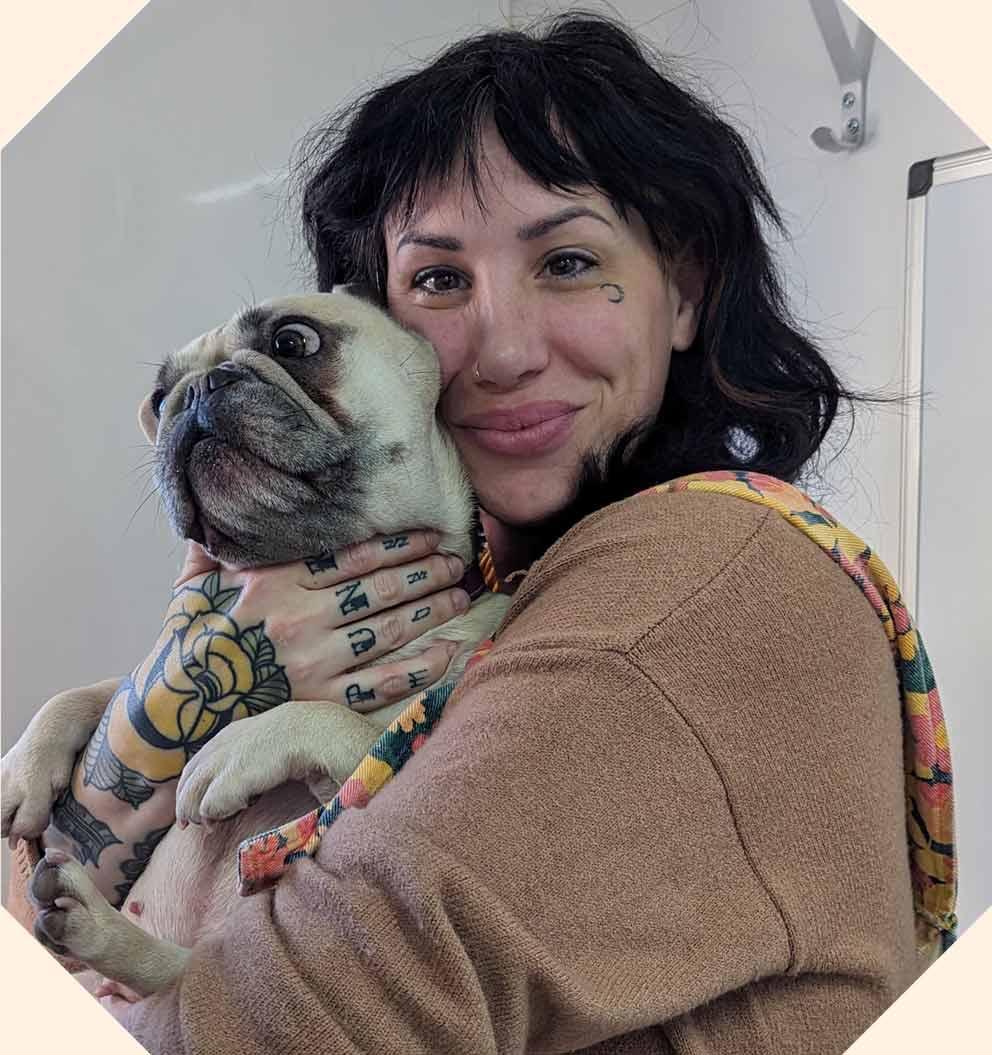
480 575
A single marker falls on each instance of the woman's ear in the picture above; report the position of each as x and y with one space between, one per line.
687 281
147 420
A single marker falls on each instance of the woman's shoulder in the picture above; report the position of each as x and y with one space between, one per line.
682 549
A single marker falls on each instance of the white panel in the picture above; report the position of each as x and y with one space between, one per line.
955 563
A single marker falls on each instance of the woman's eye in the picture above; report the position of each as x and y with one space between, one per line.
295 341
438 281
568 265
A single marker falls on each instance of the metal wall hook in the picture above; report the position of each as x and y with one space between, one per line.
852 66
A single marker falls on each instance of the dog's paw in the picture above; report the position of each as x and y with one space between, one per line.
230 772
75 919
28 789
39 766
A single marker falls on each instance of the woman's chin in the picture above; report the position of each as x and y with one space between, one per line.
524 511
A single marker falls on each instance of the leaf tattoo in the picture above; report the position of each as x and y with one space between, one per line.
90 835
104 770
132 868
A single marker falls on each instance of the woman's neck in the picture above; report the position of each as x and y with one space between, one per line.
513 548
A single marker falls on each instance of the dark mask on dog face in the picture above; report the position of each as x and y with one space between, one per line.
273 432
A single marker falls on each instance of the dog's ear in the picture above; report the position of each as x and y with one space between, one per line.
359 290
147 420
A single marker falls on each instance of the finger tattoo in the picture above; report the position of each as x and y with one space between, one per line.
353 600
354 694
418 679
361 640
323 563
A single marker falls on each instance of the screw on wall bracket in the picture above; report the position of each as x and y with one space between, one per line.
852 66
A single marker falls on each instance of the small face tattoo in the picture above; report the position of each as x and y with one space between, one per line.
618 290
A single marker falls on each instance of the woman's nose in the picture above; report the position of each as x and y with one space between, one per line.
509 346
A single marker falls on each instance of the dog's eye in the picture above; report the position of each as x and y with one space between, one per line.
157 399
295 341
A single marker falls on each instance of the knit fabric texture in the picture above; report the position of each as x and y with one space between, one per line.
263 858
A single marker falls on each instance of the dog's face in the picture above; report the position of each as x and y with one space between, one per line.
277 433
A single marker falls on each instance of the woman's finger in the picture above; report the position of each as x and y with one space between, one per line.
372 688
362 642
357 599
381 551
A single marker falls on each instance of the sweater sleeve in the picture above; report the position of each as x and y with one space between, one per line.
559 867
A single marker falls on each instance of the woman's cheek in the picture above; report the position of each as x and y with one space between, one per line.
451 365
447 338
583 331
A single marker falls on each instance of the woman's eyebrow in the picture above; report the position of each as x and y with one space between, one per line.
527 233
539 228
433 241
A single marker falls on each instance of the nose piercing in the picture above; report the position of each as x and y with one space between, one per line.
475 371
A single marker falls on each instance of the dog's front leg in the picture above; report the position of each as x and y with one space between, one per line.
75 919
313 741
39 766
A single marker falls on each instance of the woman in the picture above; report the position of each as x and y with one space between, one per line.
666 812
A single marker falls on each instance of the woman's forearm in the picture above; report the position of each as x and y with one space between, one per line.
205 671
111 816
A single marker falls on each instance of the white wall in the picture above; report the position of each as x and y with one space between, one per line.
120 242
136 214
142 206
765 65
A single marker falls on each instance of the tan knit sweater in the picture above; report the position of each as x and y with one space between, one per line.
665 815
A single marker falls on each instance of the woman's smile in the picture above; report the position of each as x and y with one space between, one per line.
528 430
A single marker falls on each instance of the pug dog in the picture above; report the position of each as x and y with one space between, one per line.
302 426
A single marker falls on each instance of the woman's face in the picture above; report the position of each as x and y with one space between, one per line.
563 310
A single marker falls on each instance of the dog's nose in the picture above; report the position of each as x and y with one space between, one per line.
219 377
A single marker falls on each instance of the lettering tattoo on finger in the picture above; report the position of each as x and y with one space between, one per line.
361 640
415 576
396 542
421 613
326 562
354 694
418 679
353 600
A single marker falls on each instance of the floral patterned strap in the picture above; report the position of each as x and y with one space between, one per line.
927 759
263 858
929 801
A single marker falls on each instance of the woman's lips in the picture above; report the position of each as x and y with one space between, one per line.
522 431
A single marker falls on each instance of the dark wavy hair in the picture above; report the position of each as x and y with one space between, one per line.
580 103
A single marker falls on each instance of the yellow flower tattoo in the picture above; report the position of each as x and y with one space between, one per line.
204 672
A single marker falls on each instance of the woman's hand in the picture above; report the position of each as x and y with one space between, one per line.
343 612
235 644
